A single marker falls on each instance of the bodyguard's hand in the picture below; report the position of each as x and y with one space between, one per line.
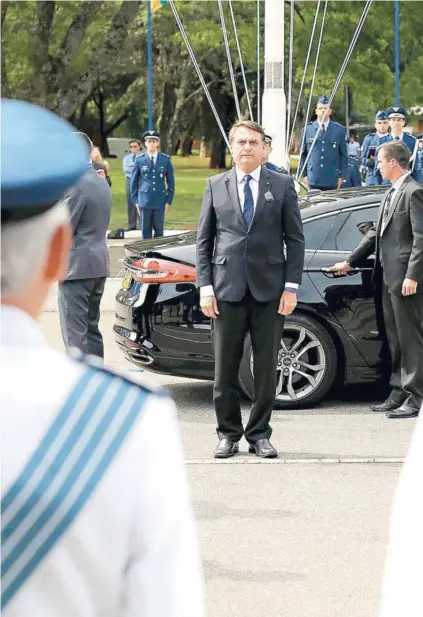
208 305
341 268
138 209
287 303
167 206
409 287
340 181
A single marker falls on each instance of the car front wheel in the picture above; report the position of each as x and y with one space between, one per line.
306 366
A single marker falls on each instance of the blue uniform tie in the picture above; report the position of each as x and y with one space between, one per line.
248 201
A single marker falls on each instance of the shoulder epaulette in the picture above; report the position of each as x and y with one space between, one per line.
96 364
166 155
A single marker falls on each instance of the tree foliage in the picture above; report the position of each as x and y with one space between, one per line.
86 60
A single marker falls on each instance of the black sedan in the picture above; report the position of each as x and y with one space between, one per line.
334 336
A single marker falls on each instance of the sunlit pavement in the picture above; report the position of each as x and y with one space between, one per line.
303 536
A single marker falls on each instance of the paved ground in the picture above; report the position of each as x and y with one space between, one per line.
304 536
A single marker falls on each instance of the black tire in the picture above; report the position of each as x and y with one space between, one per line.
322 350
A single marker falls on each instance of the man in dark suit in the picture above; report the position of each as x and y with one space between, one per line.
89 203
246 283
397 240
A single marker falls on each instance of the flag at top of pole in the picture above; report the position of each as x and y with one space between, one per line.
157 4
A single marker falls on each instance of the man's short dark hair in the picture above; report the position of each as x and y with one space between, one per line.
397 150
247 124
135 141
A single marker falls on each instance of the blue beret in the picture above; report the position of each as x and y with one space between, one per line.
151 135
396 112
381 115
55 158
323 100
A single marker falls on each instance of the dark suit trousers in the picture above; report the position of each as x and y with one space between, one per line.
132 211
79 312
265 326
404 329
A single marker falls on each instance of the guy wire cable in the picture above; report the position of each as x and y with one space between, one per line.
258 63
314 73
304 74
240 60
290 71
339 79
198 70
228 54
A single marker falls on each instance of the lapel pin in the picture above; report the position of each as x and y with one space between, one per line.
268 196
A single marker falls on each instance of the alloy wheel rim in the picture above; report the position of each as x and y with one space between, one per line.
301 364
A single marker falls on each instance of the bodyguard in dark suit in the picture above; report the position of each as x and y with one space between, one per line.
247 284
327 165
152 186
89 203
397 240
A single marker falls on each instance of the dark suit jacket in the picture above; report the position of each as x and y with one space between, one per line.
89 203
399 250
233 258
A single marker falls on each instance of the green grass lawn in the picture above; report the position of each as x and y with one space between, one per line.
190 178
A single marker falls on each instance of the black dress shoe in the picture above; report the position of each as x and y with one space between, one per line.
405 411
130 229
388 405
263 448
226 448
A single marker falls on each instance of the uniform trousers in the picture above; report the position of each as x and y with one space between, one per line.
265 326
132 211
79 312
404 329
152 219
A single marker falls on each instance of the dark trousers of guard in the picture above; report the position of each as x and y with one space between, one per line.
79 312
152 220
265 326
404 330
132 211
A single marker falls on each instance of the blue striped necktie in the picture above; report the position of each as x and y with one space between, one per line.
248 201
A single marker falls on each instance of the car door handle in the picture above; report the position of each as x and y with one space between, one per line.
330 274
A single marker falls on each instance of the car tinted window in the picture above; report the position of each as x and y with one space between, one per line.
315 230
355 227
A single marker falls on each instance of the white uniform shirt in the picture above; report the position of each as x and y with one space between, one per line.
132 550
402 595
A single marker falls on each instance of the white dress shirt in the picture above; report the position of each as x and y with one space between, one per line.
402 594
325 124
207 290
394 188
132 549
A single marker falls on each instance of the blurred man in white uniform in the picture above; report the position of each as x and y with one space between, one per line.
402 595
96 516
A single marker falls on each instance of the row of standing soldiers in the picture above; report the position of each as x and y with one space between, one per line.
325 163
324 160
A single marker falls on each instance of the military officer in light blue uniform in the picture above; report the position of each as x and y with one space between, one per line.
152 186
327 165
370 144
419 159
266 153
397 118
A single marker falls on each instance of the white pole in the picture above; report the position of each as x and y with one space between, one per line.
274 99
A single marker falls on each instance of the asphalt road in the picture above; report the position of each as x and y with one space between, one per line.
303 536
